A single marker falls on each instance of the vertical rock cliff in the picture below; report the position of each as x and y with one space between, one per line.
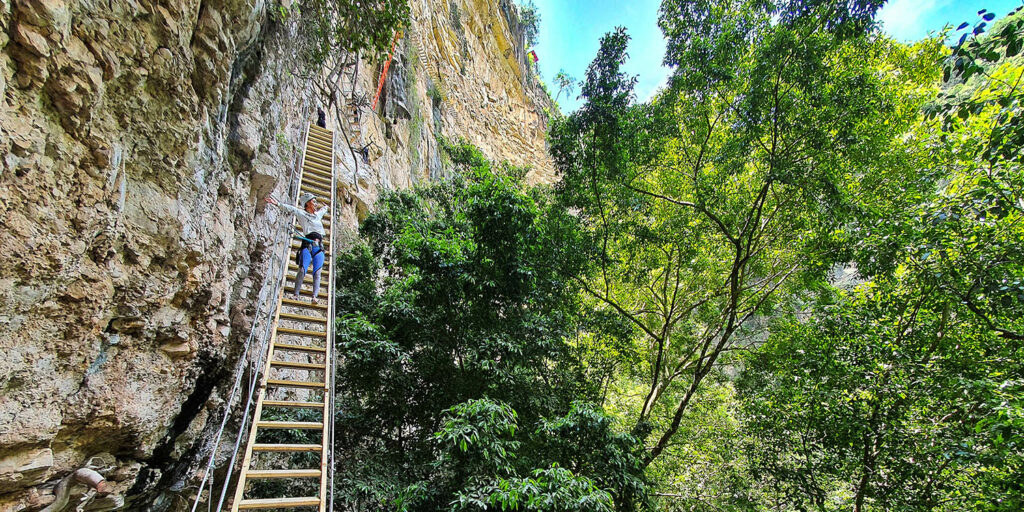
137 141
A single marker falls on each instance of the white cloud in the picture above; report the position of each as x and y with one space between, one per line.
648 95
905 19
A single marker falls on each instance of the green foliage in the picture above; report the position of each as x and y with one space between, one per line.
710 38
434 94
457 319
333 26
660 331
988 63
906 393
585 441
881 401
282 141
479 433
546 490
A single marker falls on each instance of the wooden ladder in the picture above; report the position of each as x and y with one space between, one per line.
302 342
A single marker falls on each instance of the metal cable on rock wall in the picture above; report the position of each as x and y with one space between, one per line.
271 286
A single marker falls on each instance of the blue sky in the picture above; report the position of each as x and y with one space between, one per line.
570 31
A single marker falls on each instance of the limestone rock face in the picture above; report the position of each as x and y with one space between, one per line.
137 141
460 70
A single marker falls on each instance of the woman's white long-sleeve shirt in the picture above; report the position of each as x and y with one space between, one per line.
311 222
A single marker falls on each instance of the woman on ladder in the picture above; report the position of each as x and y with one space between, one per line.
311 250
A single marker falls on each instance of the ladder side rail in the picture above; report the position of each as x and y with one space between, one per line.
327 437
331 313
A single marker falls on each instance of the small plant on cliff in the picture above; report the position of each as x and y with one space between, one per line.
434 94
282 141
529 18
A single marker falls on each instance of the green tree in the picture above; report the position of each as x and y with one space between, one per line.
339 28
529 18
887 398
906 393
458 325
722 195
564 82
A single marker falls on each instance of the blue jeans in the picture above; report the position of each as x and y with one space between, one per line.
305 258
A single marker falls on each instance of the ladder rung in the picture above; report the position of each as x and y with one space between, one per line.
299 348
294 384
278 503
313 157
316 180
322 166
303 318
321 169
309 180
308 278
268 447
324 193
321 152
305 292
326 173
297 365
318 143
304 304
317 189
307 281
294 405
293 267
301 332
282 473
302 425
